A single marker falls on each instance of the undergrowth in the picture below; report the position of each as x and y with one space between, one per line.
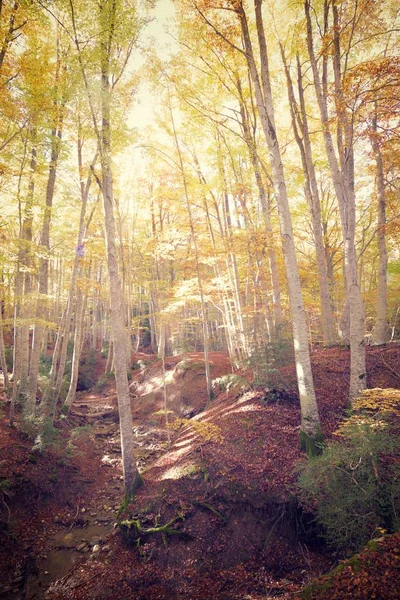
354 486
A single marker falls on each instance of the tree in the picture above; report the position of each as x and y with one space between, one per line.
111 34
342 172
310 424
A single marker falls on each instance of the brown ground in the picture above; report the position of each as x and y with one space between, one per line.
227 477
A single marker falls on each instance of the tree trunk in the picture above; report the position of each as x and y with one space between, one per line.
310 423
380 332
3 362
132 477
78 337
265 208
312 195
196 253
343 181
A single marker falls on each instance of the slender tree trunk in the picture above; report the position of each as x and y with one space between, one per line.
380 333
61 344
343 181
312 195
22 293
43 284
196 252
132 477
78 337
3 362
265 208
310 423
110 355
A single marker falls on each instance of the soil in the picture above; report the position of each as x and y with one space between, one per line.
223 477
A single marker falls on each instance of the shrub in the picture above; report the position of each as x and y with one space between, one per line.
45 365
86 373
267 358
230 382
354 486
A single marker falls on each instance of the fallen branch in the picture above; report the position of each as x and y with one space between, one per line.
164 530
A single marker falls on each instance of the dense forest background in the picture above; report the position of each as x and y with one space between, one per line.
205 194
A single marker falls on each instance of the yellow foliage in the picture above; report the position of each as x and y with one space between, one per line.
379 400
372 409
208 431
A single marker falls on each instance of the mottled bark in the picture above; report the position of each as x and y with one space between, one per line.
380 332
132 477
302 137
343 180
310 423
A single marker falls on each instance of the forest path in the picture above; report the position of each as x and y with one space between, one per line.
85 530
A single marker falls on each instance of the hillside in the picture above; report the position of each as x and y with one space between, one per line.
216 517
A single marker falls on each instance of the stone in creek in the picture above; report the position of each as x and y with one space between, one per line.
95 540
81 546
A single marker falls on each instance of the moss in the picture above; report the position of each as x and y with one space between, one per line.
134 530
316 589
137 483
313 445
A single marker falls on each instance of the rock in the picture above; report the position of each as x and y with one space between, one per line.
57 519
83 510
94 541
105 548
96 548
81 546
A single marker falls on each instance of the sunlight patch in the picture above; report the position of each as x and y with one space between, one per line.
180 472
173 456
110 461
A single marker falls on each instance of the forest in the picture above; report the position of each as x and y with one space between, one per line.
199 299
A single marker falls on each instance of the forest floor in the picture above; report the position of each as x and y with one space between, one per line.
223 477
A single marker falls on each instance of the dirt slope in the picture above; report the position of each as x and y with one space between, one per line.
225 483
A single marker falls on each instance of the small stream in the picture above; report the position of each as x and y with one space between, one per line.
65 549
87 536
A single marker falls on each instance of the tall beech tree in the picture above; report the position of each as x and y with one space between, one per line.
310 422
112 42
342 171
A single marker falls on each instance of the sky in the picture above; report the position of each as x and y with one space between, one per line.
155 35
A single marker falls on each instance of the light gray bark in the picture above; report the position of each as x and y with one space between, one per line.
265 207
380 332
132 479
310 423
343 181
196 253
300 122
78 337
3 362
